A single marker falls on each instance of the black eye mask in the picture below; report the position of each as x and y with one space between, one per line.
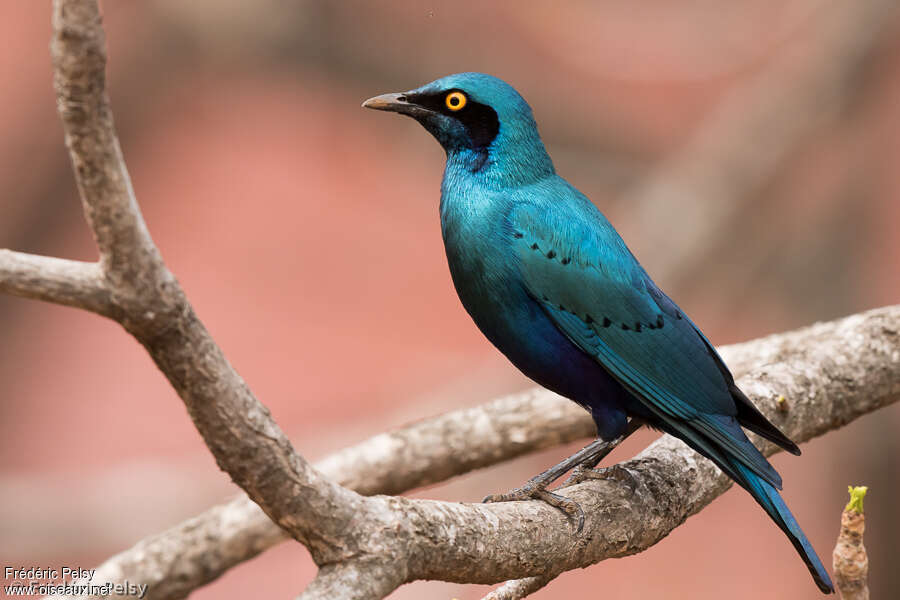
480 120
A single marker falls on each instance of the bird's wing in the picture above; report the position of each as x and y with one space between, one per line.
588 282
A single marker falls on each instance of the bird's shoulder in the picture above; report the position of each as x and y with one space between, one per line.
562 239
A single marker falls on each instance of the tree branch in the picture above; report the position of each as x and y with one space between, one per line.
830 374
131 263
57 280
193 553
236 427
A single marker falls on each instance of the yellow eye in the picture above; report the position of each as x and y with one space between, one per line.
455 100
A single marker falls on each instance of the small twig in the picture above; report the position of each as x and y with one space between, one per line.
57 280
131 262
517 589
850 562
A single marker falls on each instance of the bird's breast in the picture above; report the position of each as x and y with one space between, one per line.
481 269
481 261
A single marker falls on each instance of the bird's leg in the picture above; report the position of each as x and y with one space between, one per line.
536 487
585 470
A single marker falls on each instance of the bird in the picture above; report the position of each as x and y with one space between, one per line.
551 284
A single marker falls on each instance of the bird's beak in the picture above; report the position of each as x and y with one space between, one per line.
392 102
398 103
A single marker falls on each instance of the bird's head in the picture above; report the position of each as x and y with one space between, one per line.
480 121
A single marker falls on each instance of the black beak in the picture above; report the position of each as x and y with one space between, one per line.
398 103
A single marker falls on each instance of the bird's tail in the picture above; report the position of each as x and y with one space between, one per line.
769 498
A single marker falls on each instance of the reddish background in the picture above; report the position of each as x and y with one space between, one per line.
305 232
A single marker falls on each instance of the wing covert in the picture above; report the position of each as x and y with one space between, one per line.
596 292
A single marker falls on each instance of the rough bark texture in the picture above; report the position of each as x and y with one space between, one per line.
130 262
199 550
829 374
353 580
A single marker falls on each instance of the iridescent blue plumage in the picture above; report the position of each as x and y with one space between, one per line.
551 284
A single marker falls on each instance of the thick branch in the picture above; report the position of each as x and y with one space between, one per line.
843 370
56 280
197 551
193 553
236 427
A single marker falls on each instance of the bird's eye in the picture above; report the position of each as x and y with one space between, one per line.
455 100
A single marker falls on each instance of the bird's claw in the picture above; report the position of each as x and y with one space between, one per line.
529 491
533 492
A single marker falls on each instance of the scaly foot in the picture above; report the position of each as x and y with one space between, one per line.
585 472
582 473
535 489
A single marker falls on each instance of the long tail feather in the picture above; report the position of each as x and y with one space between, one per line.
771 501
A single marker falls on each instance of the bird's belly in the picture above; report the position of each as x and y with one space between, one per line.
523 332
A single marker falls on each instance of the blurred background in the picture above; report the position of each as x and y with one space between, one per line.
747 151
